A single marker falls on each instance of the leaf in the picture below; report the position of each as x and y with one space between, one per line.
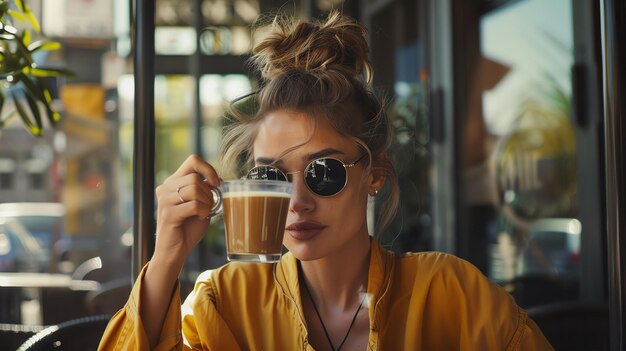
34 108
21 5
4 121
32 87
32 128
4 6
11 74
16 15
40 91
25 54
26 37
51 72
53 116
33 20
44 45
9 29
47 96
51 45
1 101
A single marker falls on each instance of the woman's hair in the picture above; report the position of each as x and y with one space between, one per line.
320 68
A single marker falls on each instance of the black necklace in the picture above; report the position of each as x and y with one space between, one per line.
332 347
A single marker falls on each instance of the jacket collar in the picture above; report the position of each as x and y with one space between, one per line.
379 279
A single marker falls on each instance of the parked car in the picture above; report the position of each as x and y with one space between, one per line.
553 248
45 222
20 251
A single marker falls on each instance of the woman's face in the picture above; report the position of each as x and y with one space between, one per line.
316 226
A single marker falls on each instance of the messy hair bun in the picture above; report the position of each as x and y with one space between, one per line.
320 68
337 44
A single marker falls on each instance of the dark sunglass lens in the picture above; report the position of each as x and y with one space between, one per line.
325 176
266 173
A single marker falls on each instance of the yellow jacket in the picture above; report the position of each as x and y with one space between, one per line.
421 302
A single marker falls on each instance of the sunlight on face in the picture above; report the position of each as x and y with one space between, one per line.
320 226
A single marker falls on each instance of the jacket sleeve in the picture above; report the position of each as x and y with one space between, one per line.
125 330
469 312
532 338
493 307
200 327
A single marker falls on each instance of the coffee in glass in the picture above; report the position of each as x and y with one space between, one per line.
255 213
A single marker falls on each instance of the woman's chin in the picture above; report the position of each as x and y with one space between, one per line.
303 251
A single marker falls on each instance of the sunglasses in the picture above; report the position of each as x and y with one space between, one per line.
325 176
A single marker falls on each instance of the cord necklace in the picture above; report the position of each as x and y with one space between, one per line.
332 347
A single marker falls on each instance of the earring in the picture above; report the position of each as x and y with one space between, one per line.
375 192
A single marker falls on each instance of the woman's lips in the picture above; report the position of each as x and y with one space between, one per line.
304 230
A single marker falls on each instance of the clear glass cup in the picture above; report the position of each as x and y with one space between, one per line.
255 214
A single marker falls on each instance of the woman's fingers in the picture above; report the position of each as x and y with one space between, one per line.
188 201
180 211
196 165
186 188
184 203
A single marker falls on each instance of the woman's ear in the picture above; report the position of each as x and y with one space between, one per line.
378 175
377 183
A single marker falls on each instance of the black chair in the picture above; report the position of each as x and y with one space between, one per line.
574 326
542 289
109 298
14 335
82 334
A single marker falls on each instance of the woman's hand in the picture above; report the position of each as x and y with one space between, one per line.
184 202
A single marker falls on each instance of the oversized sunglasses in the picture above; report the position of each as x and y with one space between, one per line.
325 176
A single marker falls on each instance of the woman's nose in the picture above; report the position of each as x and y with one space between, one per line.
302 199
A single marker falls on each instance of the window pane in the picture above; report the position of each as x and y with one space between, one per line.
60 210
400 73
174 40
66 197
518 158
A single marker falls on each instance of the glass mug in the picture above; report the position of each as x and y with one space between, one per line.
255 214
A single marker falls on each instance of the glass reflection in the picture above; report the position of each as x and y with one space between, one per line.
520 176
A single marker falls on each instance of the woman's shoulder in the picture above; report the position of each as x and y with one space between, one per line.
438 274
433 264
437 259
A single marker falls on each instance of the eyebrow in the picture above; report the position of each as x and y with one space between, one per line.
310 157
324 153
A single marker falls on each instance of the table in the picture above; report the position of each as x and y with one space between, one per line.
55 293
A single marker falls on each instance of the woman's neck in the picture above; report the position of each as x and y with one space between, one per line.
337 281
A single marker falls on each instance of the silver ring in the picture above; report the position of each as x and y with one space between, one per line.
182 201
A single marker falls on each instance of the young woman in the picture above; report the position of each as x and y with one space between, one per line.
336 289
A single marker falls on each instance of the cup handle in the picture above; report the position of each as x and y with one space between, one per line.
217 208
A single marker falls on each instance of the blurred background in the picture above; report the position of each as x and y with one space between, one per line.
497 162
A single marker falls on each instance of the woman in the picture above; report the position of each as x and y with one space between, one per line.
336 288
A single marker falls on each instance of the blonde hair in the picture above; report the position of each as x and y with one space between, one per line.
321 68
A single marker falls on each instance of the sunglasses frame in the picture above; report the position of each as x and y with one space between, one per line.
285 175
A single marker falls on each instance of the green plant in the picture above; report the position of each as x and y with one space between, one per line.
21 78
